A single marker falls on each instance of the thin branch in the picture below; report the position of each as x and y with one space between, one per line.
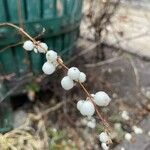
60 62
54 108
25 33
137 78
16 87
21 42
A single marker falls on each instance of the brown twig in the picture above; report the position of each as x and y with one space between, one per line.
25 33
21 42
60 62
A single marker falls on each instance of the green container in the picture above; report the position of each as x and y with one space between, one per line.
60 18
5 111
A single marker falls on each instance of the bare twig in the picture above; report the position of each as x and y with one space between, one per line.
16 87
60 62
54 108
21 42
137 78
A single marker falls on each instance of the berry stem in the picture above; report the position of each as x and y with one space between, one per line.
60 62
98 113
24 32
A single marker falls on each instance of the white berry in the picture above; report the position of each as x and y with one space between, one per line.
91 124
137 130
67 83
48 68
74 73
79 104
87 109
42 47
104 146
82 77
103 137
128 136
51 56
28 45
101 98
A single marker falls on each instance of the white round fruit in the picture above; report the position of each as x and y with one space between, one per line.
51 56
48 68
101 98
104 146
35 50
42 47
74 73
82 77
91 124
103 137
28 45
67 83
87 109
79 104
137 130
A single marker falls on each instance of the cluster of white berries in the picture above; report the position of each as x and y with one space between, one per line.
86 107
40 47
73 75
50 65
104 138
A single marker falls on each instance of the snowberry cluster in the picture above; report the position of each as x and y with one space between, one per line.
50 65
38 47
86 107
73 75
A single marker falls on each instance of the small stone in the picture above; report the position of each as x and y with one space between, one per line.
128 137
125 115
91 124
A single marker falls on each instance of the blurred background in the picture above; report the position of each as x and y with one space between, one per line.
106 39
